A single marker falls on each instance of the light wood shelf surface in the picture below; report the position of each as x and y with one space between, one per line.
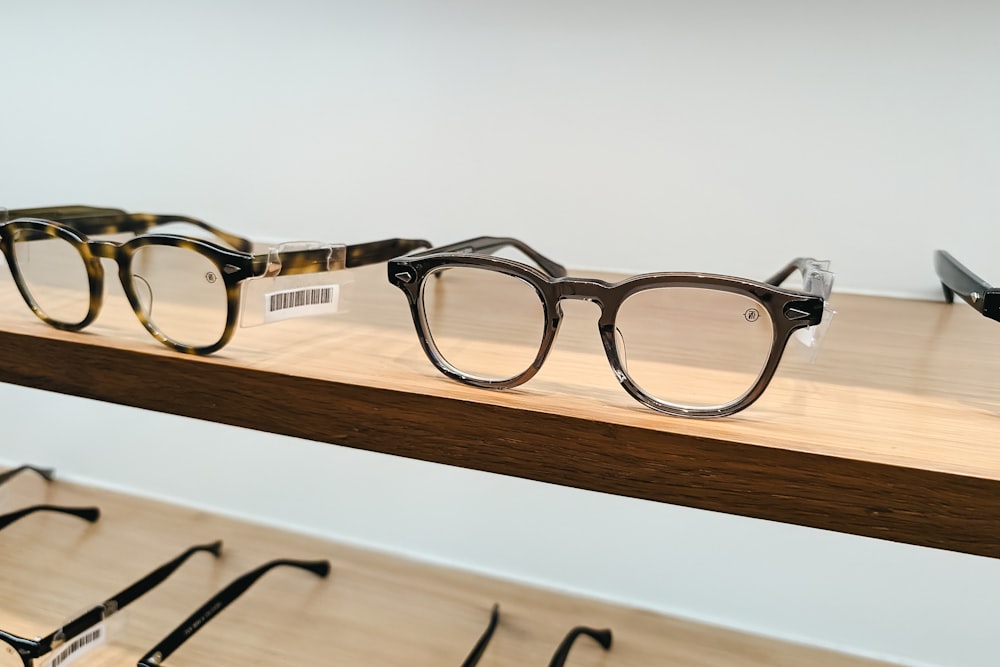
892 433
375 610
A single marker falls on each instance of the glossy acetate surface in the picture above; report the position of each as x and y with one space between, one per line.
181 293
693 347
483 323
55 275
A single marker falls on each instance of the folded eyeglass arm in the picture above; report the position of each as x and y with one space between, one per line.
488 245
797 265
46 473
95 221
219 602
956 278
116 603
477 651
289 259
375 252
602 637
90 514
816 276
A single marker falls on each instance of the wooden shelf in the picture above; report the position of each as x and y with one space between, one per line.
374 610
892 433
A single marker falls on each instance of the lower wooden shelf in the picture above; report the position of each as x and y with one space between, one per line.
375 609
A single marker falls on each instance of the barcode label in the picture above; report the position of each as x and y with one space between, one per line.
79 645
298 298
300 302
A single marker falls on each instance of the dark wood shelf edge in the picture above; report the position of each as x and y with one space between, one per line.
913 506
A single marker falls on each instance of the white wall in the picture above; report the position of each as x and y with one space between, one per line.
723 136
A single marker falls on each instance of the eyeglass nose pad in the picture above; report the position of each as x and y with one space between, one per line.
144 293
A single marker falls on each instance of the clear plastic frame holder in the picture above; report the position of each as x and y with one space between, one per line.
817 279
279 294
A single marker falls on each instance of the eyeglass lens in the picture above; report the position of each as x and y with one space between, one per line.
181 293
691 346
54 274
492 338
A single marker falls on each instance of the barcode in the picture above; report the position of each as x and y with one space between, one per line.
298 298
80 642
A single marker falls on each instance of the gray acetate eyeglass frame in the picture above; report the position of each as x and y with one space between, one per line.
790 310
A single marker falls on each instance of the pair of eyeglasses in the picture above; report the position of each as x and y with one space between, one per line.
602 637
85 629
185 291
686 344
957 279
89 514
218 602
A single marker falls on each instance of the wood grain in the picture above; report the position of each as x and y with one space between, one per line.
375 610
892 434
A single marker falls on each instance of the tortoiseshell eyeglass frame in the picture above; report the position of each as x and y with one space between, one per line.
790 310
234 266
101 220
956 278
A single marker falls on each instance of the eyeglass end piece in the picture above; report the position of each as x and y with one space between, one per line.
320 568
89 514
215 548
603 637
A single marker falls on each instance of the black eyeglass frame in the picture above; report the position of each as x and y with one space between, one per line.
956 278
88 514
45 473
218 602
233 266
602 637
30 650
790 310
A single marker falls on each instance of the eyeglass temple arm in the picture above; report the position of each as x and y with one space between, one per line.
94 221
219 602
90 514
602 637
116 603
318 260
488 245
46 473
477 651
374 252
60 213
799 264
956 278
